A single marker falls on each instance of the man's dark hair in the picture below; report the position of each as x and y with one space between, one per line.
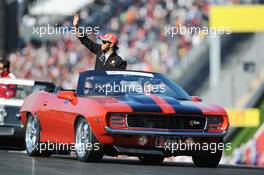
6 64
115 48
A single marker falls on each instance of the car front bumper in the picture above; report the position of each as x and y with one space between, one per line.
164 133
12 130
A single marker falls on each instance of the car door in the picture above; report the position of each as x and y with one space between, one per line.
57 120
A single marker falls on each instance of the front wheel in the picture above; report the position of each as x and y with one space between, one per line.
88 149
32 139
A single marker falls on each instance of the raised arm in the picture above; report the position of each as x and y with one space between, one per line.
87 42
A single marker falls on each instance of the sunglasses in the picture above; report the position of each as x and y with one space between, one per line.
104 42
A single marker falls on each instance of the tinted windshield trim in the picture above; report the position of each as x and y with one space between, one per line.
174 90
90 73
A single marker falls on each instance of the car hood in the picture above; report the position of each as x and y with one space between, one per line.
153 103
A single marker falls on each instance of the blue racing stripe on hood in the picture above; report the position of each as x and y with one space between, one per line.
140 103
182 107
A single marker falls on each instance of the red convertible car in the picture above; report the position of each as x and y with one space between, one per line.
129 113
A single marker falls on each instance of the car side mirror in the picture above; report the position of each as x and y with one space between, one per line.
196 99
68 95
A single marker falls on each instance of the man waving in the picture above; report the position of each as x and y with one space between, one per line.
106 53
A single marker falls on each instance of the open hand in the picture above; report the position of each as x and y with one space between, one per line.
76 19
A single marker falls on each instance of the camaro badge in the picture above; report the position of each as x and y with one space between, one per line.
194 122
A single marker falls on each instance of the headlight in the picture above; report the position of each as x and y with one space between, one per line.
118 120
3 114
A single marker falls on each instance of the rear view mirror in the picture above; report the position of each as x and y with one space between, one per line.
68 95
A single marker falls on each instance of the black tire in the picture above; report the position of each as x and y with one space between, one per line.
207 159
94 153
32 139
151 159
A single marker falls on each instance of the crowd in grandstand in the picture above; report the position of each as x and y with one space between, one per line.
143 41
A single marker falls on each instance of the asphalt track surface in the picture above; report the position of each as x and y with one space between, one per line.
18 163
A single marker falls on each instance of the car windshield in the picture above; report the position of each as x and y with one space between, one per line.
129 83
23 91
